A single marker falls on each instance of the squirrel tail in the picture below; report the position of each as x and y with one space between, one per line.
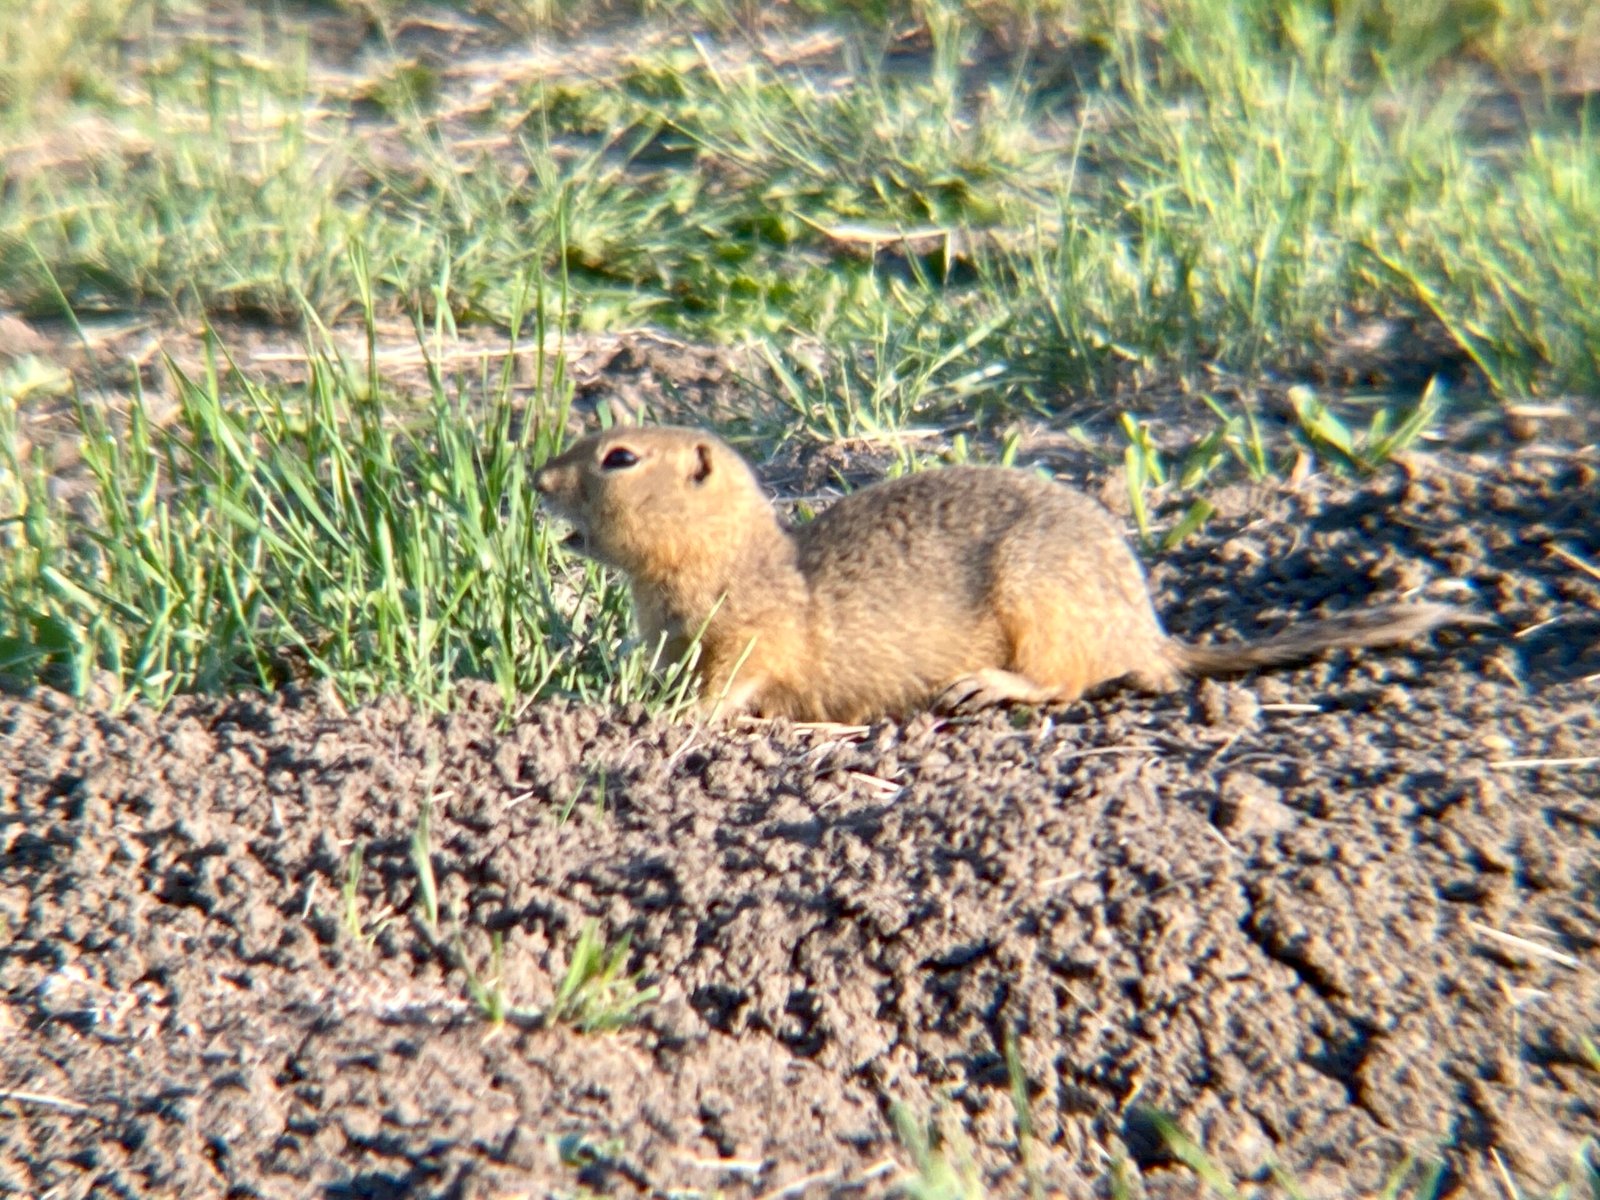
1382 625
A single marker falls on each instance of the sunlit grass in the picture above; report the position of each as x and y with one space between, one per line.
1215 184
949 216
323 532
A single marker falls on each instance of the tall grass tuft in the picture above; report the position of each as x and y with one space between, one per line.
323 532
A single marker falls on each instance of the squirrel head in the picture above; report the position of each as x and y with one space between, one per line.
653 500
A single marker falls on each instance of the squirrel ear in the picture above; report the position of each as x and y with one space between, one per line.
702 470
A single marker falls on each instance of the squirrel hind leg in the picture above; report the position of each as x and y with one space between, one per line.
1066 648
1165 672
992 686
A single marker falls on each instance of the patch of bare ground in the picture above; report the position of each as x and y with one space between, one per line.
1324 918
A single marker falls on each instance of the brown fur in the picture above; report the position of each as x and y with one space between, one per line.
969 585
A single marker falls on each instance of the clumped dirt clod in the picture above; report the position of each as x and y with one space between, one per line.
1321 918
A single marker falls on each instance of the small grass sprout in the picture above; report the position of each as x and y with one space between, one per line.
596 995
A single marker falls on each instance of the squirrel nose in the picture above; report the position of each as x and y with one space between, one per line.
542 483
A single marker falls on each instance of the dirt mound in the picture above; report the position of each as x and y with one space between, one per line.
1322 918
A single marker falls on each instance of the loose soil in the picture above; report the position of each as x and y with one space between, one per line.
1324 918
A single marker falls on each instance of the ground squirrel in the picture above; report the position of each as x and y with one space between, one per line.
961 587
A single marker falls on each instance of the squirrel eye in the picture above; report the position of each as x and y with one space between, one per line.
619 459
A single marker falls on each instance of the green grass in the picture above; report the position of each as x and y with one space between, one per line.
943 1165
1415 1177
334 533
1107 201
596 994
1241 175
58 53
